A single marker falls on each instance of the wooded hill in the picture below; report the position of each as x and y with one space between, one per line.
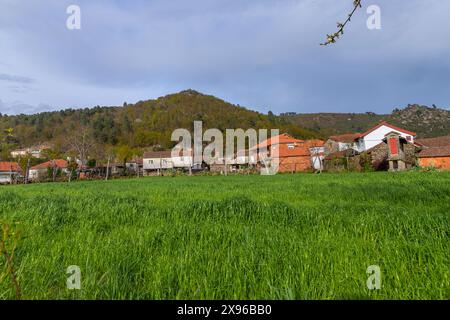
133 128
425 121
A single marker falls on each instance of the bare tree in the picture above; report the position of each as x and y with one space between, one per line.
83 143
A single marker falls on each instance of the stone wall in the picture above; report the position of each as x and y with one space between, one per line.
373 159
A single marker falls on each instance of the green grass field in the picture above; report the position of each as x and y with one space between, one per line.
236 237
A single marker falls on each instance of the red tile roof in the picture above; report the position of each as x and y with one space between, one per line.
280 139
384 123
346 138
59 163
282 142
315 143
435 152
7 166
434 142
157 154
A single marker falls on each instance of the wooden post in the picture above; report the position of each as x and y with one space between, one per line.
107 168
27 171
226 168
10 173
55 170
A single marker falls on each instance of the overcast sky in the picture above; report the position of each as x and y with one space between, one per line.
263 54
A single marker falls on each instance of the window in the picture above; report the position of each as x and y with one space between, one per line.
150 161
291 146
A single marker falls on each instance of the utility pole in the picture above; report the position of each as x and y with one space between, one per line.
27 171
107 168
10 173
226 168
55 170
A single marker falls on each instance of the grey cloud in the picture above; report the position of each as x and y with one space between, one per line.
263 54
19 107
14 78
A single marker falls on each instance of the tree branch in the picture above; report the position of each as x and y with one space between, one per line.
331 38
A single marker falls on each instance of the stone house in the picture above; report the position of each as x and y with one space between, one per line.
434 153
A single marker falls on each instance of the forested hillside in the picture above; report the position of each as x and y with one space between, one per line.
132 128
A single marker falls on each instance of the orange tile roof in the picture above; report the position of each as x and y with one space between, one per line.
7 166
346 138
301 147
435 152
280 139
434 142
59 163
314 143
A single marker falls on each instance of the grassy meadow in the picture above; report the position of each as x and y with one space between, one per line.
299 236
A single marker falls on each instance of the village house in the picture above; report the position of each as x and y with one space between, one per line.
135 165
41 171
365 141
34 151
9 172
377 134
184 159
341 142
371 149
394 153
242 161
156 161
317 151
293 155
435 153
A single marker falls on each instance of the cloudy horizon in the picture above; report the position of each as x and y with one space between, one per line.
264 55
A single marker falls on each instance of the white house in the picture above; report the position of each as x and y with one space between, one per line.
182 159
375 136
34 151
9 171
361 142
157 160
40 171
317 156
